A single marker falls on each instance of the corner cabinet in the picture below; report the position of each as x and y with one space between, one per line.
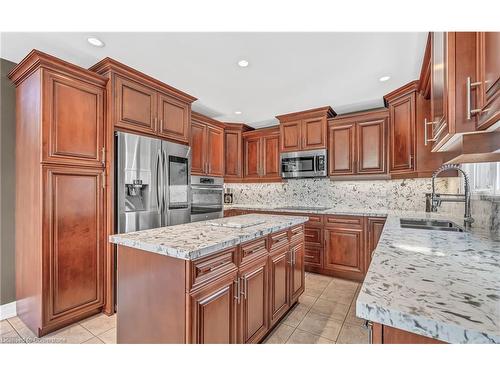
306 130
60 200
357 144
207 146
261 155
141 104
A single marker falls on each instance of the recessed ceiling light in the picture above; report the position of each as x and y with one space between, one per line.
243 63
384 78
96 42
237 112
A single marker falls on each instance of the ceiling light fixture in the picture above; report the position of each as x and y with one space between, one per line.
384 78
237 112
96 42
243 63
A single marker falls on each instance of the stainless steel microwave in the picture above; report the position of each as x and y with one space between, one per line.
302 164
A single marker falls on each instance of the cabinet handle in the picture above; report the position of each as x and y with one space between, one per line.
291 257
155 122
103 180
238 290
369 327
161 123
426 124
243 291
103 156
411 161
470 85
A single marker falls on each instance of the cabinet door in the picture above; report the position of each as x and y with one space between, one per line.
215 151
232 161
73 248
253 152
375 227
343 252
73 121
135 106
488 73
402 134
279 283
173 118
214 313
198 148
341 150
314 133
297 274
371 146
270 156
439 72
254 301
291 136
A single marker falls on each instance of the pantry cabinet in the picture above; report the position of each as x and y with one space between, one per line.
306 130
357 144
207 146
60 200
261 155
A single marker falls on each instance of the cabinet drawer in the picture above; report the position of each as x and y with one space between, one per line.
297 233
278 240
315 219
253 249
350 221
313 235
211 267
312 256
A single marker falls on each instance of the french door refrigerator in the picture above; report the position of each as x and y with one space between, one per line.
152 183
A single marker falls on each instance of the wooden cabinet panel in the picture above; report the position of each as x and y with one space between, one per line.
198 149
252 157
254 301
314 133
279 284
439 67
313 256
291 136
135 106
402 134
173 118
215 151
73 120
313 235
271 157
344 252
371 148
341 150
74 217
383 334
297 274
375 228
233 154
214 313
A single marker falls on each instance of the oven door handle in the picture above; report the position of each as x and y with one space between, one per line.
194 187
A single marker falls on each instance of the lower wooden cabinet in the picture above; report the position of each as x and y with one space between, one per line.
382 334
344 252
279 283
375 225
297 275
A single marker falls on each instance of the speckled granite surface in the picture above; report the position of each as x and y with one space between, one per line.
194 240
444 285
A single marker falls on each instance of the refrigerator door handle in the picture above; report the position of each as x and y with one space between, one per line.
158 184
165 182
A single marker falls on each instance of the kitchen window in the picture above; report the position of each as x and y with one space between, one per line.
484 178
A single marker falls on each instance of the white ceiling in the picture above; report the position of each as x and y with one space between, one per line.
288 72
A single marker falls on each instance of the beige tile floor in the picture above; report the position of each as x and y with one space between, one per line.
325 314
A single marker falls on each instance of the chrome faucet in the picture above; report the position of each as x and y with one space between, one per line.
435 200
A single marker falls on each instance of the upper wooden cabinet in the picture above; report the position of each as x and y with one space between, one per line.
358 144
142 104
306 130
233 156
207 146
261 155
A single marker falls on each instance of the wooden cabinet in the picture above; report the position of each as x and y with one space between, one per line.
357 144
141 104
306 130
233 156
207 146
279 282
261 155
375 225
383 334
297 276
60 206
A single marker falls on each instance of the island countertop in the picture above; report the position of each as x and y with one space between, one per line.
194 240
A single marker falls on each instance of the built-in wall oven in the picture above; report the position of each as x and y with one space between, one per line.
207 198
302 164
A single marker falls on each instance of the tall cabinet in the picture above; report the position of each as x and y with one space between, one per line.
60 199
207 146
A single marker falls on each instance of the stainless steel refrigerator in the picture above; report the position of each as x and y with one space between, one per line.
152 184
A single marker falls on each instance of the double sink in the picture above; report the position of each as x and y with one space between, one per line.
441 225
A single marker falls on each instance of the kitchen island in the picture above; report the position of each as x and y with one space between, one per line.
219 281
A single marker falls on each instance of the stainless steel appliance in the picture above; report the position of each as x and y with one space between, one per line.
207 198
152 183
302 164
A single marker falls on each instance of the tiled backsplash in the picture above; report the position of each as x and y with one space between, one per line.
407 194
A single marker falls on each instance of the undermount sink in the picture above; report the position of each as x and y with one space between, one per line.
443 225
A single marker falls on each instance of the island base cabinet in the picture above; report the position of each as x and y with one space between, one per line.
382 334
297 274
279 284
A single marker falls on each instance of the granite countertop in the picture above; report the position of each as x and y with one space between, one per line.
194 240
311 210
444 285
